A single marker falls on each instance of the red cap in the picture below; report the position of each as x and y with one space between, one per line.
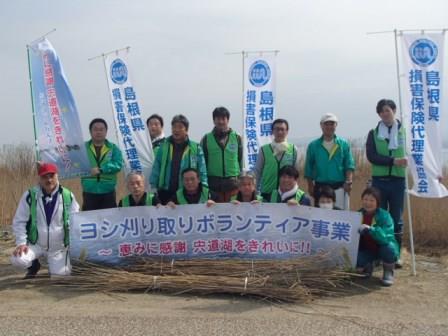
47 168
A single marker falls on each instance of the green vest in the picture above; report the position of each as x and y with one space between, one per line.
269 176
275 196
190 153
257 198
126 200
223 162
381 146
31 225
106 153
182 200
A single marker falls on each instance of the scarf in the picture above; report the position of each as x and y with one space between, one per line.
389 133
289 193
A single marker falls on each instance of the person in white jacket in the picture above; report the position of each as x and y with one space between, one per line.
41 225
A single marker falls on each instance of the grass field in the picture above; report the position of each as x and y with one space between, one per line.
430 222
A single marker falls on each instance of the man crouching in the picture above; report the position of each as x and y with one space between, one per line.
41 225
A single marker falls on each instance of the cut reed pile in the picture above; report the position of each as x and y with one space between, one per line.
291 280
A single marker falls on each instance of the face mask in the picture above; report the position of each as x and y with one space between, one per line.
327 206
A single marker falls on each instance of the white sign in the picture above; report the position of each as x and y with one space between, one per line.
260 231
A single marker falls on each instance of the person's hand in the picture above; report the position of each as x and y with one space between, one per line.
400 162
363 229
255 202
210 203
235 202
292 202
158 205
20 249
171 205
95 171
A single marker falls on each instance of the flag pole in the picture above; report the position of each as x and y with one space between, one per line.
243 134
36 148
408 200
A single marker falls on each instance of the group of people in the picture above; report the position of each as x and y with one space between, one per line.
211 171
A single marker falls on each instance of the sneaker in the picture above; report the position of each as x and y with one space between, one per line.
32 270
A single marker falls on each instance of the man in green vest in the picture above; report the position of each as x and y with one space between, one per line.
274 156
135 183
385 149
192 191
176 154
247 190
98 189
288 190
223 152
329 162
41 225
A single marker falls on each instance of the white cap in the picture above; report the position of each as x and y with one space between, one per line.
328 117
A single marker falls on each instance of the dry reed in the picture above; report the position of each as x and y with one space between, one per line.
283 280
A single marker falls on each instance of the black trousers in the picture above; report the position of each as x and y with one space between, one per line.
98 201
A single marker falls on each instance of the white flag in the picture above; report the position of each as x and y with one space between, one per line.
259 105
422 78
133 137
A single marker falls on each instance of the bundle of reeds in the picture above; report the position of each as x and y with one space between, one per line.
285 280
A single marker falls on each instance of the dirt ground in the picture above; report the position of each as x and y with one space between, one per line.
415 305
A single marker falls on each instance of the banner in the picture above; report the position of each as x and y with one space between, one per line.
262 231
422 58
133 136
58 129
259 105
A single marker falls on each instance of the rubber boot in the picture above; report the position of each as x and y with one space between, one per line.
388 274
399 239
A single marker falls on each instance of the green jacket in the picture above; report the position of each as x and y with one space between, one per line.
110 163
31 225
382 229
382 148
324 167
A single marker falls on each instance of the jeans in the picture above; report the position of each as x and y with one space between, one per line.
385 254
392 200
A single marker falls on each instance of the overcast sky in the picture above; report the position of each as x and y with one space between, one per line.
327 62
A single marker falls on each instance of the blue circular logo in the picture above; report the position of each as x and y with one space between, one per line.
259 73
423 52
118 71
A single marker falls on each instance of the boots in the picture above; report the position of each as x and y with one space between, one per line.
32 270
388 274
399 238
